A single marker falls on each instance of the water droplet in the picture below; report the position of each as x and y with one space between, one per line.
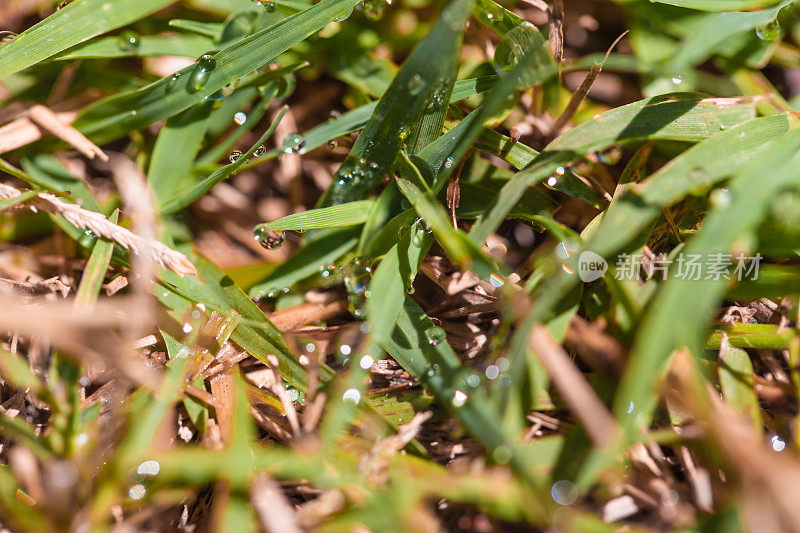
416 84
199 76
552 181
269 239
332 144
777 444
148 468
260 151
310 347
173 80
677 80
459 398
137 492
560 171
496 280
303 360
240 118
293 143
769 31
187 328
270 6
448 162
502 363
410 290
63 4
234 156
492 372
435 335
6 37
721 197
129 41
216 96
345 349
351 395
564 492
366 362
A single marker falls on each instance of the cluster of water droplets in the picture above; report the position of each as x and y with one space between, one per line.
235 155
357 277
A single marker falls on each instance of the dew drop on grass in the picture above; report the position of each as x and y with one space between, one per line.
270 239
270 6
552 181
416 84
677 80
293 143
351 395
260 151
240 118
129 41
137 492
448 162
235 155
459 398
6 37
215 96
435 335
204 65
769 31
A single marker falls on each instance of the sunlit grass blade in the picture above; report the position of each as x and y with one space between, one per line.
75 23
335 216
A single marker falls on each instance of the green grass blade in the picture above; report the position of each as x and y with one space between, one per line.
335 216
95 271
75 23
117 115
400 108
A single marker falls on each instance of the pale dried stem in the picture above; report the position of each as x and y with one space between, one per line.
98 224
573 388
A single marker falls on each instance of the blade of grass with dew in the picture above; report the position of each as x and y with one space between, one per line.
736 382
679 116
186 198
327 247
147 46
335 216
400 108
175 150
714 32
75 23
117 115
95 270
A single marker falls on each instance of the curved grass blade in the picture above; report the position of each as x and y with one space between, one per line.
77 22
679 116
335 216
719 5
115 116
148 46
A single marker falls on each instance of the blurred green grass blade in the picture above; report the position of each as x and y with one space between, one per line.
687 305
679 116
719 5
95 270
327 247
19 514
755 336
714 32
183 199
212 30
736 381
46 172
117 115
175 150
774 281
149 46
335 216
400 108
392 280
75 23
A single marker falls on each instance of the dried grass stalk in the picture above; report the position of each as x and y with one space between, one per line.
99 225
50 121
